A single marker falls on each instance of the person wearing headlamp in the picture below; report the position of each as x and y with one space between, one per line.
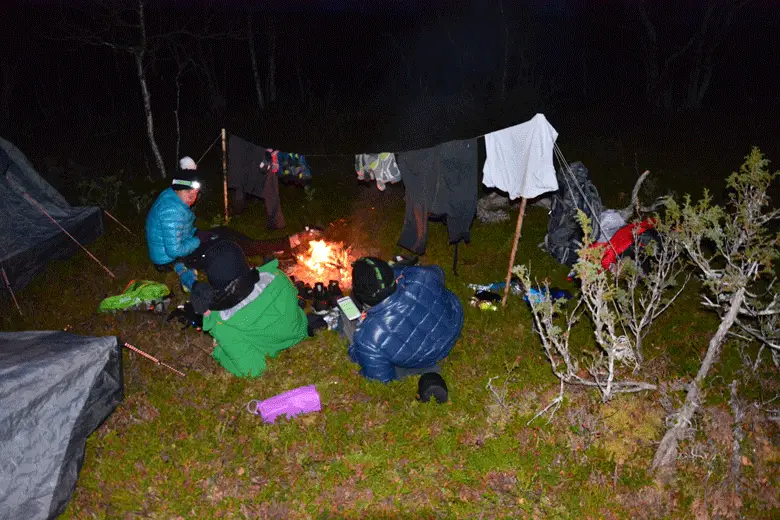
175 243
170 230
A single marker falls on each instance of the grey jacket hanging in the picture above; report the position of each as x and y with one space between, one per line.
441 182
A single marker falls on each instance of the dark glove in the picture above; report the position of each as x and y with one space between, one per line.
186 315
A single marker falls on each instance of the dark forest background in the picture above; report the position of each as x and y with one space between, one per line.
347 76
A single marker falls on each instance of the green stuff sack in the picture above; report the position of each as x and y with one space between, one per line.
138 295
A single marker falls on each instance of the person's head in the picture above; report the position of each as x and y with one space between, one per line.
372 280
230 277
185 182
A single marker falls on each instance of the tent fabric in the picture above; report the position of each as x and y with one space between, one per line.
56 388
28 238
520 159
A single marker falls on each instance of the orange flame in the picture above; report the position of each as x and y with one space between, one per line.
325 261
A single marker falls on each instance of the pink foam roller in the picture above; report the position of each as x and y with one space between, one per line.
294 402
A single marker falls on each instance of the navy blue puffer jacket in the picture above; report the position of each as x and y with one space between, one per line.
415 327
170 233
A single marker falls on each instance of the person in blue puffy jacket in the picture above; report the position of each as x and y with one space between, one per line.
175 243
170 230
411 320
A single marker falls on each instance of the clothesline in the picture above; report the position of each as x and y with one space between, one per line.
327 154
354 154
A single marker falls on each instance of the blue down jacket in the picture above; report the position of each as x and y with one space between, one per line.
170 233
415 327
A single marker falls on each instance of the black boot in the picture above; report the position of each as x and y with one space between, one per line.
432 385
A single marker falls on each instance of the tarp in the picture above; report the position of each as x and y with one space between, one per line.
28 238
56 388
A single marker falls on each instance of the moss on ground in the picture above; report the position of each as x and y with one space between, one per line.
188 448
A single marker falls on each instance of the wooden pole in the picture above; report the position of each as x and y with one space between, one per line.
514 250
224 173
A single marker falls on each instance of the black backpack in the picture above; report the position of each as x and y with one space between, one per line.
575 191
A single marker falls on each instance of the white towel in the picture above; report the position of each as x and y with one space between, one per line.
520 159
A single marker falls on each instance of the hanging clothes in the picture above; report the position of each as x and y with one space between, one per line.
520 159
291 168
380 167
249 171
440 182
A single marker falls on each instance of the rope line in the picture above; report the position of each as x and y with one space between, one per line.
209 148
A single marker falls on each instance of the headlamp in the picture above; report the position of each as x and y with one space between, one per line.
194 185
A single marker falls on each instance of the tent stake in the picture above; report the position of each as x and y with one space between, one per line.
224 174
514 251
154 359
115 220
32 201
8 285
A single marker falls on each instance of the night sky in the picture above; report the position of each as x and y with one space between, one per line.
363 75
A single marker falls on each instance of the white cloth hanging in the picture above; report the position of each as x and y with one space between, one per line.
520 159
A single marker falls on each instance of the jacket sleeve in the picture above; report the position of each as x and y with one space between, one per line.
177 233
374 364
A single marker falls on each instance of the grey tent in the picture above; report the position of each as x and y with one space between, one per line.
28 238
56 388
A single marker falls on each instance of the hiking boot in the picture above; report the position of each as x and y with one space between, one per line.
320 292
334 293
432 385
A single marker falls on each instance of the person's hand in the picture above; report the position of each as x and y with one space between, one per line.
188 278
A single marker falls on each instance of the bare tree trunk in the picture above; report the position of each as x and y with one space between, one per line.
666 454
148 111
271 63
253 56
138 54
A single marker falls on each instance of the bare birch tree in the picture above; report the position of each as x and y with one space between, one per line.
122 27
734 251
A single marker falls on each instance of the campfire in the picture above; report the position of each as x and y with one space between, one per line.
324 261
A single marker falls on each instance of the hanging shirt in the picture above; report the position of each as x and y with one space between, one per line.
249 172
440 181
380 167
520 159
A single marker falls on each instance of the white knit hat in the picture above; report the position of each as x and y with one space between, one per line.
186 163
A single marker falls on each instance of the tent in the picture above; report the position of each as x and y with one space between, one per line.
56 388
28 237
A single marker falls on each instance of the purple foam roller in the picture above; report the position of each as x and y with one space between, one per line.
304 399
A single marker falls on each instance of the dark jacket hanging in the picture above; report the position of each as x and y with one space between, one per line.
440 181
245 176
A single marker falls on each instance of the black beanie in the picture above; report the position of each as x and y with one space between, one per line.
224 262
184 175
372 280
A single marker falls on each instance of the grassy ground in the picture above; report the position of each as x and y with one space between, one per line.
187 447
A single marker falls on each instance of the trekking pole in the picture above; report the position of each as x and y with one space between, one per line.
224 174
514 251
156 361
